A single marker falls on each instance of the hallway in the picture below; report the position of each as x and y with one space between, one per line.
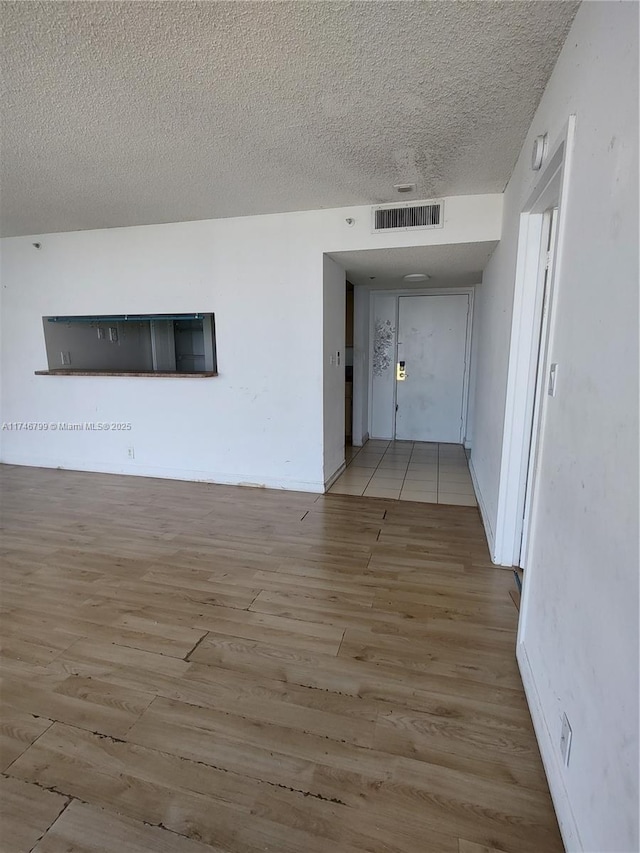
417 471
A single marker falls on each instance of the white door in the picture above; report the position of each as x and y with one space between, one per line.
432 346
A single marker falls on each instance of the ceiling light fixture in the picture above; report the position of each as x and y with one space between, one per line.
416 276
404 188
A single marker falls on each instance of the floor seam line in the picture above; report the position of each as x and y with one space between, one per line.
55 820
6 769
186 657
341 642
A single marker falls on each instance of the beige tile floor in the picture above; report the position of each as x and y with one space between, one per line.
408 471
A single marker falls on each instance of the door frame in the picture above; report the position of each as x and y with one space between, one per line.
424 291
543 315
519 440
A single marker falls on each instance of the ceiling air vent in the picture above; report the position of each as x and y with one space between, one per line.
407 216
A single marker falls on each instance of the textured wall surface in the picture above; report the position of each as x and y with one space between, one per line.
261 420
579 635
135 113
333 331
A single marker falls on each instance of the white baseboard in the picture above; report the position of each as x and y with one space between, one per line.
552 768
331 480
483 510
215 477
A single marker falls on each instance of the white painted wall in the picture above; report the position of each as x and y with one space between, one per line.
2 419
261 420
468 436
244 426
578 647
333 312
383 337
360 365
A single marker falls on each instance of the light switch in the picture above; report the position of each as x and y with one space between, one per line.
553 372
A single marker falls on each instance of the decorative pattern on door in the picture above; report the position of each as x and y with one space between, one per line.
383 345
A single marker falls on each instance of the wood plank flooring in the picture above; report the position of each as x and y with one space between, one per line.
191 668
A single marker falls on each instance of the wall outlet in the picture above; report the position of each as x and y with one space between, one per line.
65 357
565 739
113 334
131 453
101 334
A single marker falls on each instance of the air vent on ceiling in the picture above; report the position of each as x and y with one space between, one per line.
408 216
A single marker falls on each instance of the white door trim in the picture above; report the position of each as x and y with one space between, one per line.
550 190
547 266
433 291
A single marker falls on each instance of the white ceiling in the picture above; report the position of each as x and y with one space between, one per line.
452 265
130 113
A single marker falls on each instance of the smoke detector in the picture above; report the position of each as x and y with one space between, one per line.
404 188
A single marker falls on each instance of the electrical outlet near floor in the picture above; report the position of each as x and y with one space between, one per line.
565 739
131 453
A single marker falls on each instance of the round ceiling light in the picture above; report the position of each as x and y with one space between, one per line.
416 276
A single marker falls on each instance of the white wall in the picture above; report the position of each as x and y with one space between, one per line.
334 308
361 309
383 337
579 634
468 435
261 420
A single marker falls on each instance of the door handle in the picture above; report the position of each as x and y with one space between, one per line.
401 373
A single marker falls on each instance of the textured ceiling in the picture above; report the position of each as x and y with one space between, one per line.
452 265
137 112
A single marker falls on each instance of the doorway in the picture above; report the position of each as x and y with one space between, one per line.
419 364
547 257
531 378
348 368
431 367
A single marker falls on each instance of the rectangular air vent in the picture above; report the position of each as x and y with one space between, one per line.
408 216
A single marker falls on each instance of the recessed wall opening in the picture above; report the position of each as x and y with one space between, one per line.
348 364
141 344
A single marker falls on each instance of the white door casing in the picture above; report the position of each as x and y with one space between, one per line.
550 191
547 258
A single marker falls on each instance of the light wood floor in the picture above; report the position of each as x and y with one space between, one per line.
189 668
